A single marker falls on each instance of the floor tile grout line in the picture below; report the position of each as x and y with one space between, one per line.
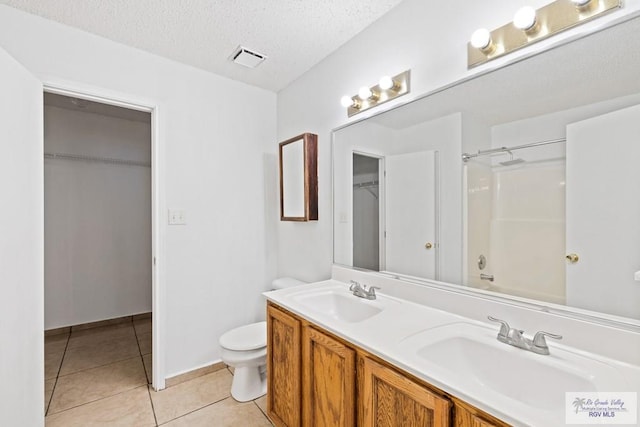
97 400
260 409
153 408
196 410
55 383
99 366
146 374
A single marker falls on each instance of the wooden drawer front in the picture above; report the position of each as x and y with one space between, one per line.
283 368
328 378
389 399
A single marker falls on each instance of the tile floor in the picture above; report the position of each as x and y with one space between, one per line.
101 376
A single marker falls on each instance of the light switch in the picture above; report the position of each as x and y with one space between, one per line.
177 217
637 276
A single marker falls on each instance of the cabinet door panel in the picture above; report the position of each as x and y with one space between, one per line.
283 368
328 381
468 416
389 399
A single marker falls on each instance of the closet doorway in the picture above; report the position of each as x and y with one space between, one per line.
98 250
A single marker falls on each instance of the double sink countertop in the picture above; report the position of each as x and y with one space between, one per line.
459 355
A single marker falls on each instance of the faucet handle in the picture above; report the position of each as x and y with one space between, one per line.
354 285
504 327
371 290
539 340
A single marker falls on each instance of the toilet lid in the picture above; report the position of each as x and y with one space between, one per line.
245 338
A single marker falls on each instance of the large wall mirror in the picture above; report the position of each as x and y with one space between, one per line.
521 183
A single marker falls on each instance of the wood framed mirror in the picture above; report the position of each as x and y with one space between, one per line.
299 178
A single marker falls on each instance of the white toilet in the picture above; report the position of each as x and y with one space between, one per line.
245 348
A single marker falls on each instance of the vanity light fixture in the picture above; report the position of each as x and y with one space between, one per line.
481 39
530 25
388 88
525 19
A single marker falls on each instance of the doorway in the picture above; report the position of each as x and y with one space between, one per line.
368 250
98 180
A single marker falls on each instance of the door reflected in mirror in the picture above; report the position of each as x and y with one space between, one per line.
386 204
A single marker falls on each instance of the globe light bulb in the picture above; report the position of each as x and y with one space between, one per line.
346 101
580 3
365 93
525 18
481 38
386 83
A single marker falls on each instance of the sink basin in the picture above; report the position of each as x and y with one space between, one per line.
340 305
471 353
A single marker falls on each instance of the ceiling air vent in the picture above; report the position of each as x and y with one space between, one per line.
246 57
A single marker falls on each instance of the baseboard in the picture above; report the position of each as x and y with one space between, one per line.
198 372
98 324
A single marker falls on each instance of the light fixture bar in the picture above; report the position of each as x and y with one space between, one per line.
551 19
400 86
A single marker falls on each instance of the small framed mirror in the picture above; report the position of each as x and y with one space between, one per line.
299 178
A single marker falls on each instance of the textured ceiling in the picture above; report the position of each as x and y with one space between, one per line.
294 34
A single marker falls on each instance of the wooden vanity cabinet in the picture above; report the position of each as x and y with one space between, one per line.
317 379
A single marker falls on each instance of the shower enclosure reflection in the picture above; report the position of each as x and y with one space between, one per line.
516 203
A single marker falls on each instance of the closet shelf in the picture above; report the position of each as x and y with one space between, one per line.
106 160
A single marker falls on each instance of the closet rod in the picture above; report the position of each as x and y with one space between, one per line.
366 184
467 156
107 160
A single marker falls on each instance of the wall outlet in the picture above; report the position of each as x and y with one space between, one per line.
177 217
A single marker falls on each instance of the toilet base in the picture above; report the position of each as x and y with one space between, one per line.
249 383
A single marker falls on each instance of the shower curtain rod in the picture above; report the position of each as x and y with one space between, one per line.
107 160
466 156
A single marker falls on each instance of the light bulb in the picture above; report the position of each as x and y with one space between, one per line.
386 83
365 93
346 101
481 38
525 18
580 3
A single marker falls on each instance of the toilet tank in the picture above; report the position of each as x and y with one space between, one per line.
286 282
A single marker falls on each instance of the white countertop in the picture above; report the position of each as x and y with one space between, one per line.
389 333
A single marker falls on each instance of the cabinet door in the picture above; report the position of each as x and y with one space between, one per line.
283 368
389 399
328 381
468 416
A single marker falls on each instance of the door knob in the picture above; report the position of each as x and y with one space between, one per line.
428 245
572 258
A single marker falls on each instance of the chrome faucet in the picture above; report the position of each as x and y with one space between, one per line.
362 291
516 338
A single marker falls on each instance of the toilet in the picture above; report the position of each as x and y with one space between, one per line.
245 348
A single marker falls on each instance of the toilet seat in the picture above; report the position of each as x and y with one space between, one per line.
246 338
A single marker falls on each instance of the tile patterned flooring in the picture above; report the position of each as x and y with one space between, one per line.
101 376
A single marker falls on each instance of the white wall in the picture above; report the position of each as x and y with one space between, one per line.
428 38
97 218
212 135
21 247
